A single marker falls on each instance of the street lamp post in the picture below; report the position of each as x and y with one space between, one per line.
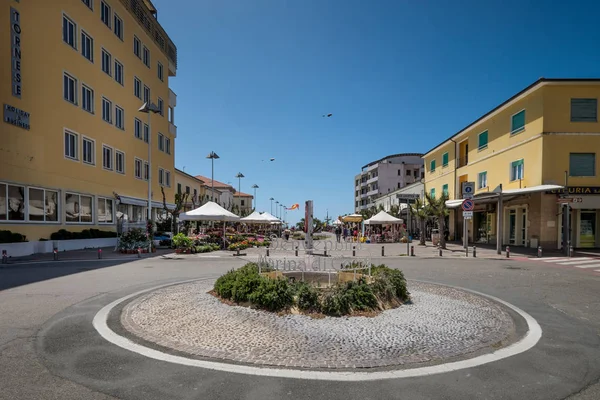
149 108
276 207
255 186
213 156
271 205
240 176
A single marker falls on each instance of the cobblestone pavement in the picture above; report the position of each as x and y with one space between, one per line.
441 323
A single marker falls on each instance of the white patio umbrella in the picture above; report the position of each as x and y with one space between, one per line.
255 218
269 217
337 222
383 218
210 211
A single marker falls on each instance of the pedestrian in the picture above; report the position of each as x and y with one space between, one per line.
345 234
338 233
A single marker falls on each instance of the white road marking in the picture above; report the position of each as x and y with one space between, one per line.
588 266
530 339
552 258
579 261
557 259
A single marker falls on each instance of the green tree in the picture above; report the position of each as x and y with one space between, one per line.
180 200
439 211
421 212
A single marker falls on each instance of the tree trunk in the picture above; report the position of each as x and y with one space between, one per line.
442 225
422 234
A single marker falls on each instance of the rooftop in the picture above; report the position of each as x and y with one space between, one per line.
209 182
393 156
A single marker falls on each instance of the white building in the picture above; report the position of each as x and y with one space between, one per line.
405 195
386 175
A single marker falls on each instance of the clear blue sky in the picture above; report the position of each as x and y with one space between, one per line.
256 76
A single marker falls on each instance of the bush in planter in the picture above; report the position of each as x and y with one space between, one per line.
181 241
237 284
307 298
272 294
237 246
12 237
133 239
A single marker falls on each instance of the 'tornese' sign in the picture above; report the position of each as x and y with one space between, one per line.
15 49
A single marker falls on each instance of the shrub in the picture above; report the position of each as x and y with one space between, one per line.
335 305
273 294
237 284
358 295
307 297
64 234
11 237
181 241
396 279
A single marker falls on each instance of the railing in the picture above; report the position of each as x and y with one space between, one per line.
462 161
152 28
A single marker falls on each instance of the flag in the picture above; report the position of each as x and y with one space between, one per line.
294 207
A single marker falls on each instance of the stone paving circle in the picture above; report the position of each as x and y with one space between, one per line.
441 323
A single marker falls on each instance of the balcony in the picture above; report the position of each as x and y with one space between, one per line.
374 179
148 22
173 129
463 161
372 192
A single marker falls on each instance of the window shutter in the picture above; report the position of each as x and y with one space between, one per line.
518 121
582 164
483 139
584 110
445 159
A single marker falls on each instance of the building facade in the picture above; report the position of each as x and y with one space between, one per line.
75 148
539 151
384 176
228 197
194 187
243 203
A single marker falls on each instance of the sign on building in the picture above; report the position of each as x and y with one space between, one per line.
15 51
468 190
16 117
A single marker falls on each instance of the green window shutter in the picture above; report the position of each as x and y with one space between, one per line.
582 164
432 192
445 160
445 189
517 163
518 122
432 166
483 140
584 110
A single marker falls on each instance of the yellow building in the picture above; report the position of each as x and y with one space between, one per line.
75 147
542 139
194 187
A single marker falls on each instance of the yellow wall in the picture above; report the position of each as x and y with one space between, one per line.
36 157
557 107
557 149
442 175
194 184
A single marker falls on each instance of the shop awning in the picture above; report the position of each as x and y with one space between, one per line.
134 201
492 197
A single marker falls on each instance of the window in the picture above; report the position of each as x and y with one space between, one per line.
432 193
70 88
106 110
87 46
445 190
87 99
12 202
118 26
172 118
69 32
146 132
88 151
107 157
517 123
584 110
179 188
445 159
71 140
242 203
146 94
78 208
146 57
118 72
161 106
161 176
160 71
137 88
119 117
137 47
517 170
432 166
138 129
161 142
399 172
168 178
89 3
187 189
146 171
43 205
482 140
105 13
482 180
137 167
119 161
582 164
105 210
167 145
106 61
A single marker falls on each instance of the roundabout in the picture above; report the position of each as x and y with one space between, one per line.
444 329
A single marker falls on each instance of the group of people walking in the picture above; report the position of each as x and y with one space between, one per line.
345 233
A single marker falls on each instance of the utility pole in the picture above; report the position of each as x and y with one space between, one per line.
567 221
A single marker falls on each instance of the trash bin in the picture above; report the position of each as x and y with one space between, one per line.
435 236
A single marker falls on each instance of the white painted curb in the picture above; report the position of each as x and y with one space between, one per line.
533 335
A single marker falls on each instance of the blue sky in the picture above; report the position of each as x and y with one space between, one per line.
255 78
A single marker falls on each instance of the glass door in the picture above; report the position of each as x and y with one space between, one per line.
587 228
512 226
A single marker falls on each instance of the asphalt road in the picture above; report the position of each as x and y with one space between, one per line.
49 349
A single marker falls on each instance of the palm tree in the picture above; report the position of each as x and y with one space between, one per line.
421 211
438 210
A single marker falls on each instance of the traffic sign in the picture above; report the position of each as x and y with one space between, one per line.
468 205
467 214
468 190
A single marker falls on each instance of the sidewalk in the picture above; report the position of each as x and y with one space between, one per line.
108 253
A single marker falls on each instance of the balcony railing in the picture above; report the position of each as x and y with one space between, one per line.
139 10
462 161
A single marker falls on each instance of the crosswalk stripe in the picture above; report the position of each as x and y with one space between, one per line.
560 259
553 258
598 270
579 261
588 266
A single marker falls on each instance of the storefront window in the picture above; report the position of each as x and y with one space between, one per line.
105 211
43 205
78 208
137 214
3 205
16 203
